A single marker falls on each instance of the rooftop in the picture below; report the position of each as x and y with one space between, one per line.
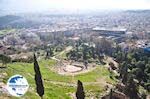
109 29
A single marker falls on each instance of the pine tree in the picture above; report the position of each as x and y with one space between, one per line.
131 88
111 94
38 78
80 91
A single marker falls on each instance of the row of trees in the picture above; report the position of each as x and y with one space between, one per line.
95 49
134 70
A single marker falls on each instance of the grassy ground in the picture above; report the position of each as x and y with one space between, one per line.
2 32
59 86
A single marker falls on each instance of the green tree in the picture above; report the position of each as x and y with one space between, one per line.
5 59
103 46
49 53
93 52
84 55
131 88
123 70
111 94
38 79
80 91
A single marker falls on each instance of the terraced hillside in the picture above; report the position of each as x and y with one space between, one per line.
60 86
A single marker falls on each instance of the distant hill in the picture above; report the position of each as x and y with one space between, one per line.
138 11
5 20
28 20
8 18
17 22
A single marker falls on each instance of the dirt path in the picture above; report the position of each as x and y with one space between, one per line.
67 49
75 84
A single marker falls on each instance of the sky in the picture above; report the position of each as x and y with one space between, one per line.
45 5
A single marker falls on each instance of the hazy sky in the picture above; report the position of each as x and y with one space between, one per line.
43 5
